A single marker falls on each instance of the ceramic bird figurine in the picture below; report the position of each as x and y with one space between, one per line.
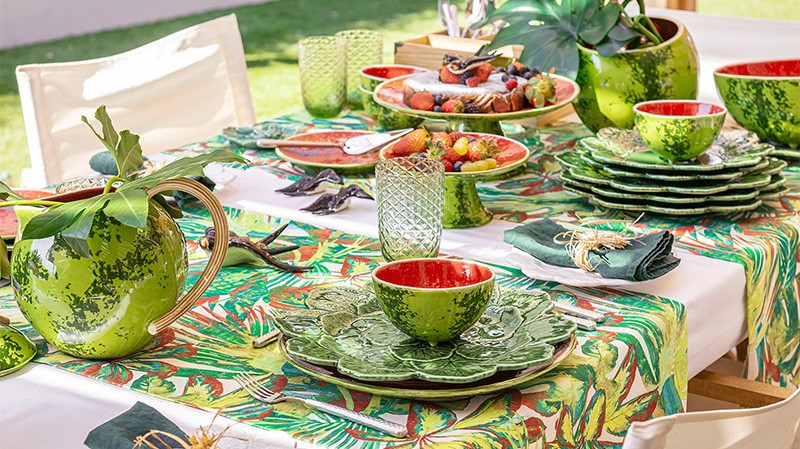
242 250
458 65
330 203
311 185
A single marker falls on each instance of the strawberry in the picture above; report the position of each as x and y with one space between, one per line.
473 82
442 137
481 149
413 142
448 166
450 154
511 84
422 101
519 65
448 77
455 135
483 71
453 106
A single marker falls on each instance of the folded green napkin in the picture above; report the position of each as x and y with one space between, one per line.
647 257
121 432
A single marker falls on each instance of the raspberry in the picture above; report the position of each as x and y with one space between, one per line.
511 84
455 135
473 82
448 166
422 101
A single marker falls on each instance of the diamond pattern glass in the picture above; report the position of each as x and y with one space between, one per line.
364 47
410 196
323 78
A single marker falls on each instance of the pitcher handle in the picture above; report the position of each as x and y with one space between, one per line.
220 221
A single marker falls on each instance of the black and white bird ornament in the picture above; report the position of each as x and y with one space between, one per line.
331 203
312 185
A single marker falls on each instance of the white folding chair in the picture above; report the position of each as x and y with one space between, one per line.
179 89
774 426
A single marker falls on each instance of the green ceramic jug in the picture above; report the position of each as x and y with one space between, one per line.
112 304
610 86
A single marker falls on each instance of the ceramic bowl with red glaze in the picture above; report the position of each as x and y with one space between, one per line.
433 299
678 130
372 75
764 97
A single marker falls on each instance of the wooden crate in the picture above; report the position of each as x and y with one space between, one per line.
427 52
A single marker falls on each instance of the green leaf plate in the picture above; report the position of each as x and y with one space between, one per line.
774 194
600 177
345 328
432 391
786 153
672 210
247 136
733 149
15 350
726 197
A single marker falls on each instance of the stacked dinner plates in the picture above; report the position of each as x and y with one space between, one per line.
618 171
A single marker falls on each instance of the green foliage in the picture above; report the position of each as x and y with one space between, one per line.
549 30
5 265
129 204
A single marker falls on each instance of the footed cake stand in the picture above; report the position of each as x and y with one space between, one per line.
462 206
390 95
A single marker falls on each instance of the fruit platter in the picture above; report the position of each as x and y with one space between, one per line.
472 95
467 157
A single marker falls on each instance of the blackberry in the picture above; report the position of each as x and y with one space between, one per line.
512 69
465 76
437 108
438 100
471 108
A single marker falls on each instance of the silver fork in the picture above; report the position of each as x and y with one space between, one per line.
267 396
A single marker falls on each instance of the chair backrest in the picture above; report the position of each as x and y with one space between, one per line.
775 426
179 89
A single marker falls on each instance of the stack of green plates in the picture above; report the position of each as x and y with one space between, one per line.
618 171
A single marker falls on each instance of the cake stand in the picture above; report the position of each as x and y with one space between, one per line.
462 206
390 95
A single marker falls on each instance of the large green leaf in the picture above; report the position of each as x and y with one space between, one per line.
129 153
129 207
181 168
111 148
598 22
59 218
5 265
109 133
514 11
6 194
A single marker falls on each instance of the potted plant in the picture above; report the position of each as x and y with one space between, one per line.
618 59
99 272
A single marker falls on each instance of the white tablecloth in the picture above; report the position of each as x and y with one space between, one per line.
43 407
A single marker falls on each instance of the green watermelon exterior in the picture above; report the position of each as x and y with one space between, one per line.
611 86
678 139
433 315
100 308
768 107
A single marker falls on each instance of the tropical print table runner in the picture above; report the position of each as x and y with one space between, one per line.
632 368
765 242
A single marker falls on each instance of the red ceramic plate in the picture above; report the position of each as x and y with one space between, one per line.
331 157
8 220
511 154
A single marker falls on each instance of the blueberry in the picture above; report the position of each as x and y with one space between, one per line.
535 72
422 155
457 166
512 69
471 139
437 108
506 77
439 100
528 75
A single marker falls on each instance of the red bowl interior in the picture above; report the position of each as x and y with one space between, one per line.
433 273
787 67
679 108
388 72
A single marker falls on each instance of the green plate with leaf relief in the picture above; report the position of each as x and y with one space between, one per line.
345 328
15 349
733 148
630 205
596 176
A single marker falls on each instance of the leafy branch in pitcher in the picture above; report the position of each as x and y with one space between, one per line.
128 203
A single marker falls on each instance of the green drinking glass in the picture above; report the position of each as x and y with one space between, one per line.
322 61
410 197
364 47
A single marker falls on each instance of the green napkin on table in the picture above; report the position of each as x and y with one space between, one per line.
647 257
121 432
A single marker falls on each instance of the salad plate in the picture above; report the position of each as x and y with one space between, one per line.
328 157
733 148
726 197
774 194
584 158
462 206
435 391
346 329
389 94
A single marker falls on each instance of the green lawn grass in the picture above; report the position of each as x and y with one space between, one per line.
270 33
